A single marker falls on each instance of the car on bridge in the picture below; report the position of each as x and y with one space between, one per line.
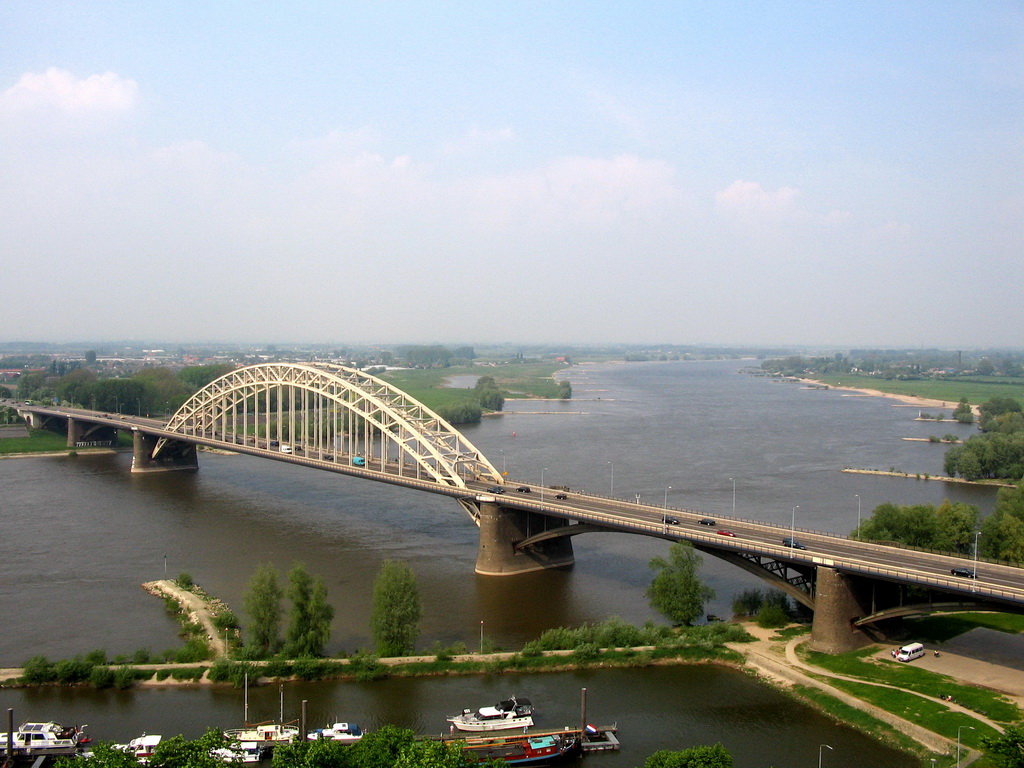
724 532
523 489
561 496
706 521
792 543
671 520
495 489
965 573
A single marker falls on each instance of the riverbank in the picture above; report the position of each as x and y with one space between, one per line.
922 402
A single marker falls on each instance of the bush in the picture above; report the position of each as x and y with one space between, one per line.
124 677
365 666
184 580
141 656
38 669
277 668
192 651
772 617
187 673
585 652
101 677
71 671
225 620
98 656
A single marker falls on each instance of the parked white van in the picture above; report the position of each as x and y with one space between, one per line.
910 652
286 449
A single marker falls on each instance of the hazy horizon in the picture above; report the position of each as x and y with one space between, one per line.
783 175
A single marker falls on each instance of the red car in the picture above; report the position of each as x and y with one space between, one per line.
724 532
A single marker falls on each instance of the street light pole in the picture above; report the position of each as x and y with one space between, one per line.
858 514
974 586
545 469
611 490
792 531
819 753
960 728
733 497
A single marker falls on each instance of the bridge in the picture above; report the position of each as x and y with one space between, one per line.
343 420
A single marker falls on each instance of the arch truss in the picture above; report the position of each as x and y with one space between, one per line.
330 413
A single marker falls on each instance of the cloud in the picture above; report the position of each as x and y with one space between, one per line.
60 89
750 198
478 139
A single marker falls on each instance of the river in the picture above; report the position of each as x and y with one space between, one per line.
78 535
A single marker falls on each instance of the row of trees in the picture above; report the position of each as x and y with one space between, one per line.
998 452
309 620
953 526
384 747
395 620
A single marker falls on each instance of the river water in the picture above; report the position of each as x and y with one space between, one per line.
79 534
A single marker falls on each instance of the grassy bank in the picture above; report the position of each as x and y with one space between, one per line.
518 380
38 441
950 391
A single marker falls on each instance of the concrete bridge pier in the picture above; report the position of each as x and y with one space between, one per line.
501 529
174 456
838 600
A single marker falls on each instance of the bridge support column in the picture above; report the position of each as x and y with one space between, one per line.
174 456
74 432
501 528
838 600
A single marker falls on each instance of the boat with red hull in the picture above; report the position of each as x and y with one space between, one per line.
542 750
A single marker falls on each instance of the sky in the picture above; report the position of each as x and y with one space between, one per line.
747 173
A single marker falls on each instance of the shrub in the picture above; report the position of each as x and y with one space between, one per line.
72 670
98 656
586 652
277 668
772 617
187 673
101 677
141 656
124 677
38 669
225 620
184 580
310 669
194 650
365 666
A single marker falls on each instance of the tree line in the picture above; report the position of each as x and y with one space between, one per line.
998 452
953 527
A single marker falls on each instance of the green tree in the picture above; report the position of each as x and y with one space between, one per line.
263 604
715 756
963 412
1006 749
956 523
676 592
395 618
309 621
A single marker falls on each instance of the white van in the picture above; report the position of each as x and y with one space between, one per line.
910 652
286 449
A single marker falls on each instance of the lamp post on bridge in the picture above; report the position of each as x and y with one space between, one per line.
823 746
503 471
611 489
858 514
664 513
733 496
792 534
974 586
545 469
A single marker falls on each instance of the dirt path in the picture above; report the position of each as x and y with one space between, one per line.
196 607
778 662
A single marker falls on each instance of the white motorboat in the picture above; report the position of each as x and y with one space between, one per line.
44 737
267 734
246 752
511 713
141 746
347 733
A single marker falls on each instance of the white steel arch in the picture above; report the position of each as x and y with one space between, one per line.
331 413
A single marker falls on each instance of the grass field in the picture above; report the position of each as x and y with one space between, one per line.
38 441
976 391
937 629
523 380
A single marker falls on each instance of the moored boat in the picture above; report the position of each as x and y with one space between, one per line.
245 752
510 713
267 734
543 750
35 738
141 746
347 733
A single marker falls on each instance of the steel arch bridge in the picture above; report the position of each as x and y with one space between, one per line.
329 413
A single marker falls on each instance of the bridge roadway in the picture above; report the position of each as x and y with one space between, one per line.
995 582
